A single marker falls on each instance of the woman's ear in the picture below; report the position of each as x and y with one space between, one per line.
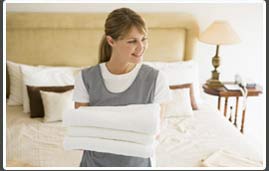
110 41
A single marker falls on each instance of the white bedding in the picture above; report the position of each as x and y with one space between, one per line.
35 142
183 142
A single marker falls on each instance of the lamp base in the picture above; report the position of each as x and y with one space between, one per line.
211 83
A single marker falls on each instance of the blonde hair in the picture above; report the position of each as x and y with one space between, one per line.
117 25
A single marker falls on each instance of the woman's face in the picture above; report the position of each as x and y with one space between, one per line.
131 48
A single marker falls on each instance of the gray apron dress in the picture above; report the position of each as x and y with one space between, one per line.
141 91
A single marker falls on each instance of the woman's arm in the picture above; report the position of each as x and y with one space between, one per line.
78 104
80 96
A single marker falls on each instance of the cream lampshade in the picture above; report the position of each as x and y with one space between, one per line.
218 33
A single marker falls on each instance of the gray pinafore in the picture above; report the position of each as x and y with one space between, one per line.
141 91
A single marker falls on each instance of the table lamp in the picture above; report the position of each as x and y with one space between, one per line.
218 33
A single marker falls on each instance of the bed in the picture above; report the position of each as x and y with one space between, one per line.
72 39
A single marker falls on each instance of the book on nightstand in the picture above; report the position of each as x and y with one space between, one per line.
236 87
232 87
251 85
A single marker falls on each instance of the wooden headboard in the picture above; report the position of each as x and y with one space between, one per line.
72 39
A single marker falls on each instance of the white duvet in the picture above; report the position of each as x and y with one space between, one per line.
184 142
37 143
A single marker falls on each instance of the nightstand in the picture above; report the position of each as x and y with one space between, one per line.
223 92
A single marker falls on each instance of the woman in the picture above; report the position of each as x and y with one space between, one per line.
120 79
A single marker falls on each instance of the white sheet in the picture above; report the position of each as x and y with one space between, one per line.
143 118
110 134
181 145
109 146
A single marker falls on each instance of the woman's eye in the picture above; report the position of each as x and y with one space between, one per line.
144 39
134 41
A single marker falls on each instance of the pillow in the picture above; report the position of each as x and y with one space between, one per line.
55 104
180 104
15 94
46 76
35 101
191 93
15 82
75 70
17 91
182 72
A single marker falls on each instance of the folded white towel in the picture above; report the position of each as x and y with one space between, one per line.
110 134
143 118
109 146
224 158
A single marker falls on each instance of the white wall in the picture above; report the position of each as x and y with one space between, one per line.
246 58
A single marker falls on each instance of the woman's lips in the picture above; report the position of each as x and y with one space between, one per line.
137 55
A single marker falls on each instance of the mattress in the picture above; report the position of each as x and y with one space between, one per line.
184 142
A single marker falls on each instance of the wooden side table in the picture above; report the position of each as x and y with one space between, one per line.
223 92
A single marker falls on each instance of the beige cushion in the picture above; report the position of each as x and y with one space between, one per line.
180 106
55 104
45 76
35 101
191 93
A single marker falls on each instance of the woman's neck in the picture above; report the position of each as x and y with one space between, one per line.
115 67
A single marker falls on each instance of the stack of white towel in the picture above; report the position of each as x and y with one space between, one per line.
126 130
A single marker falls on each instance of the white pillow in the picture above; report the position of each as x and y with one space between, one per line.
55 104
75 70
15 94
45 76
180 105
16 81
181 72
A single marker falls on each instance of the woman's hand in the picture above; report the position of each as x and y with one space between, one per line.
78 104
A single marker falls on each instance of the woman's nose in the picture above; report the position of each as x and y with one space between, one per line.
140 46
